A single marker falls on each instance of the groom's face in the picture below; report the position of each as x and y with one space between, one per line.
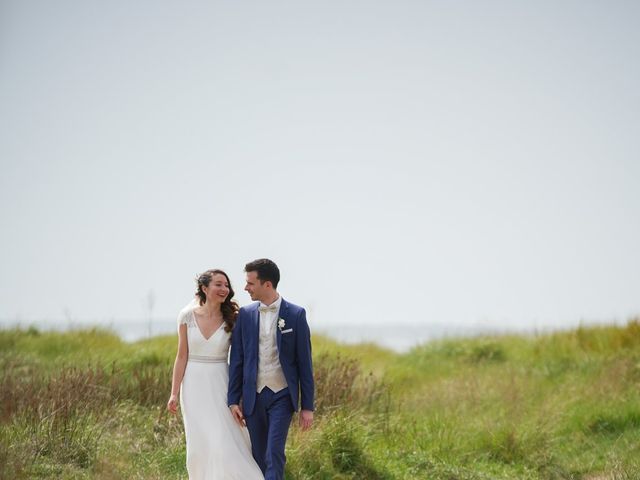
255 288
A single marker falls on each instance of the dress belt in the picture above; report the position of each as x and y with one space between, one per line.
207 359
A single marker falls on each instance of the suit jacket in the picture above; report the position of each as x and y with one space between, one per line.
294 352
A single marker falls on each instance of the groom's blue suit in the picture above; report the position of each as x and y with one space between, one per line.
267 408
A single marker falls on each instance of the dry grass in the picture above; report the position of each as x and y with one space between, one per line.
340 383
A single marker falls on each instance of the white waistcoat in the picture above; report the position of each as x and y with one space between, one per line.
269 369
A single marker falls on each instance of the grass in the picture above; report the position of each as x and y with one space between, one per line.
566 405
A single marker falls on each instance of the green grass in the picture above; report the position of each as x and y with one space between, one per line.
84 404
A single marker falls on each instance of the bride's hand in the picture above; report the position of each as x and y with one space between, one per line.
237 415
172 404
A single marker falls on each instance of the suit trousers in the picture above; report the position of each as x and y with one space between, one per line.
268 428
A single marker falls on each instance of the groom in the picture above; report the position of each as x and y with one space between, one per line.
270 363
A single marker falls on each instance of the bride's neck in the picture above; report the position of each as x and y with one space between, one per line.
211 309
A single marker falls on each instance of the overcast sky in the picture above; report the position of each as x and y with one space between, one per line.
402 161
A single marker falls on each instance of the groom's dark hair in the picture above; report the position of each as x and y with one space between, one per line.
265 269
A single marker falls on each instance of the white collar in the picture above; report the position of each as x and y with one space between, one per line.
274 304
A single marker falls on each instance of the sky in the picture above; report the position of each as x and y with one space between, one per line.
402 161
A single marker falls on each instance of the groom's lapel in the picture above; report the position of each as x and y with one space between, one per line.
255 321
281 314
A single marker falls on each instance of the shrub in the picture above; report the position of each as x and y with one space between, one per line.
614 422
486 352
339 382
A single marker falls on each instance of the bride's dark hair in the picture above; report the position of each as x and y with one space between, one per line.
229 307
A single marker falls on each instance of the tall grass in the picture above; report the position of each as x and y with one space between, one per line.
560 406
59 414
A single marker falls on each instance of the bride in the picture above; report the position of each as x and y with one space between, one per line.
217 447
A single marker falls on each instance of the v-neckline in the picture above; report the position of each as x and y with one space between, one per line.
195 319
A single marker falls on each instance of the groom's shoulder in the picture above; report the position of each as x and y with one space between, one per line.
250 308
293 308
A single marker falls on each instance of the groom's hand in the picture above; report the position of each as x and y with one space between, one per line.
306 419
237 415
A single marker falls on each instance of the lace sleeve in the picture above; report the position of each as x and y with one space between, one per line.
183 317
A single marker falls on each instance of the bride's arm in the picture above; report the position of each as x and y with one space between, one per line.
178 368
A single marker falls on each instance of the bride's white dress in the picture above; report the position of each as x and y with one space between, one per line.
217 447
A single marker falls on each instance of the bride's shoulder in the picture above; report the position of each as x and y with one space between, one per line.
185 316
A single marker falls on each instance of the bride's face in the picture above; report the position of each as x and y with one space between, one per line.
218 289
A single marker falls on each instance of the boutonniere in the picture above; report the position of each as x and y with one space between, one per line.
281 324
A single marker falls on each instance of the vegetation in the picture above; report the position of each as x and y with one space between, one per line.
84 404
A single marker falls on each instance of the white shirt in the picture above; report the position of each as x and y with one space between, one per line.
269 369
